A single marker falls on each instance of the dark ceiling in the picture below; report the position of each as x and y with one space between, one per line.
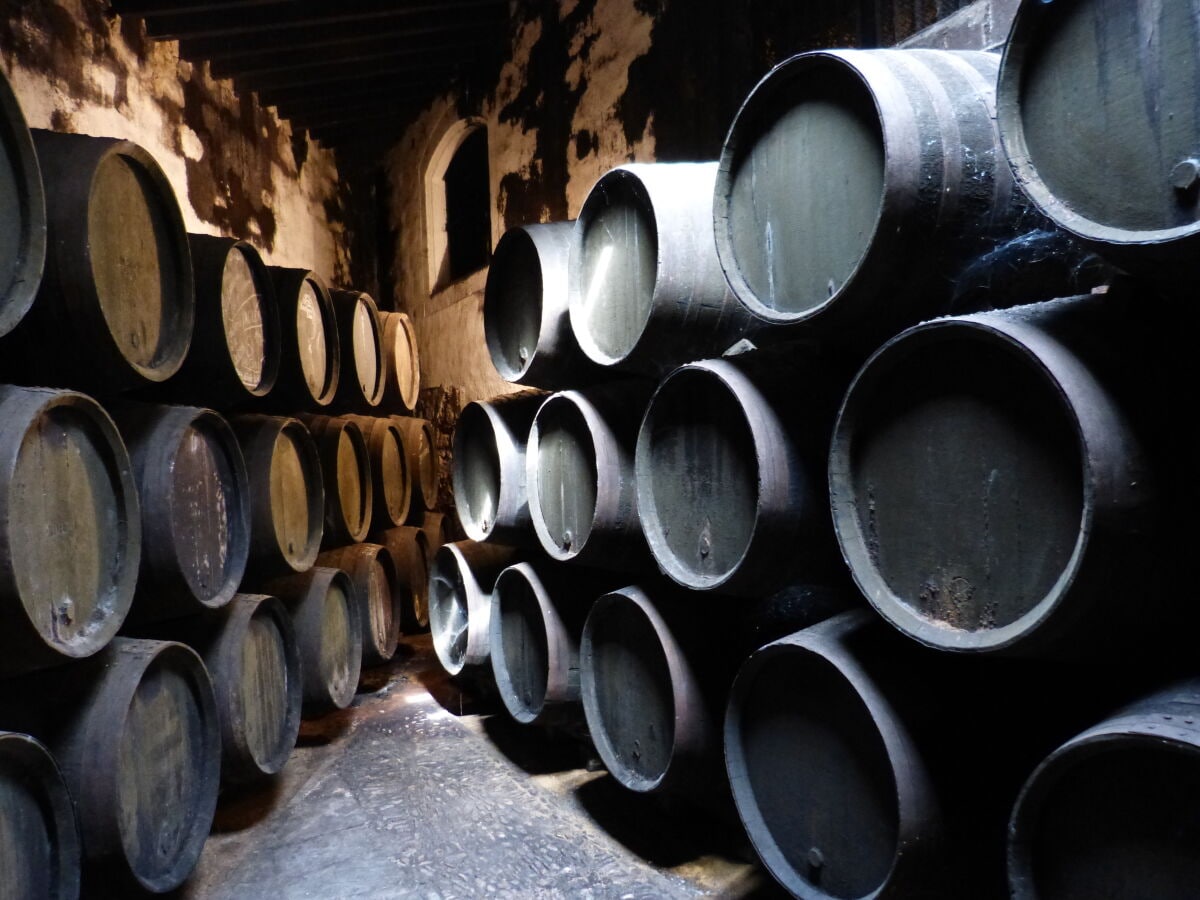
352 72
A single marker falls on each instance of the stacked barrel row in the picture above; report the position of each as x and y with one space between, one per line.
194 450
881 564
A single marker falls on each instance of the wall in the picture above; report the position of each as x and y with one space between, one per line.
236 169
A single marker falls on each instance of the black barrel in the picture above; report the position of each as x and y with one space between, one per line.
1112 812
856 185
526 316
40 854
580 476
325 614
23 210
410 548
647 291
729 467
460 602
420 446
373 574
346 469
401 362
489 468
311 358
195 500
391 478
116 307
1099 108
287 496
135 731
990 486
70 528
363 375
235 352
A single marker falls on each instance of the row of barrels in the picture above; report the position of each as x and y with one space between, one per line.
103 290
912 590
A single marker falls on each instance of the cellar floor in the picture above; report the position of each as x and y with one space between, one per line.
421 790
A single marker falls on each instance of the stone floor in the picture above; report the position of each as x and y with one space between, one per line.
420 790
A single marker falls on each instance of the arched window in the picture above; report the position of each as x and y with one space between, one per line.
458 203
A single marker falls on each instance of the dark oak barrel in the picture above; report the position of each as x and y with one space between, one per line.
420 446
391 477
460 601
580 476
116 307
401 362
380 596
647 290
311 359
235 354
287 494
251 652
346 469
526 316
730 464
195 499
70 528
411 550
362 380
1021 424
23 210
40 854
489 468
325 614
856 185
1098 111
135 731
1112 812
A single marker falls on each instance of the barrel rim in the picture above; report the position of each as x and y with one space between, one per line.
552 625
1116 734
847 528
593 425
293 280
501 444
346 304
20 293
1010 122
517 235
468 594
728 377
377 430
55 802
626 178
769 86
297 433
821 642
272 333
352 559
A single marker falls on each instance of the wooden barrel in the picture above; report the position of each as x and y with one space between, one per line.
401 362
250 650
855 186
235 354
346 468
195 499
311 359
647 291
526 316
325 614
287 494
1111 813
391 478
460 601
489 468
420 446
538 610
412 553
23 207
135 731
1020 423
1125 175
730 463
40 854
380 596
117 302
70 528
579 476
362 379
